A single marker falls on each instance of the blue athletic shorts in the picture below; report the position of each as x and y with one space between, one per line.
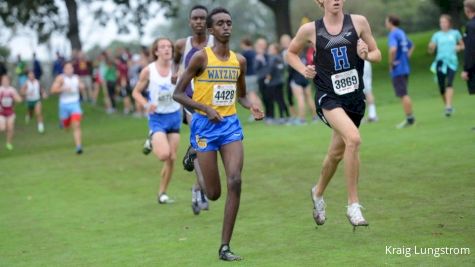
165 123
68 109
206 135
69 112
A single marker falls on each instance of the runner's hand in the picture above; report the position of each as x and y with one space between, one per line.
256 112
464 75
362 49
174 78
309 72
213 115
150 108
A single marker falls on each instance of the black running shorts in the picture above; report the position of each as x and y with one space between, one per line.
353 105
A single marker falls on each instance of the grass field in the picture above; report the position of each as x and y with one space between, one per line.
99 209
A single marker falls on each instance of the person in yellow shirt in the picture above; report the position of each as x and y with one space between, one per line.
219 81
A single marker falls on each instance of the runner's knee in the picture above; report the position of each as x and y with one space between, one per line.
213 193
353 140
234 183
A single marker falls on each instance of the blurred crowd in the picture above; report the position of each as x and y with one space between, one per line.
284 94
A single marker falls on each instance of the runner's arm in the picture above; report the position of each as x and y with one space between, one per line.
16 97
194 68
140 87
305 34
56 88
374 54
241 91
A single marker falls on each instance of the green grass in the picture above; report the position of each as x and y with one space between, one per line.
99 209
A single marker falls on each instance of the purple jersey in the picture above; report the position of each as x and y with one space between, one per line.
189 88
188 54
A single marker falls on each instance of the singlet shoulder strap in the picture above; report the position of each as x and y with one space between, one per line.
210 40
188 44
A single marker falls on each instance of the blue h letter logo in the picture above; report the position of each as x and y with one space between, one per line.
340 58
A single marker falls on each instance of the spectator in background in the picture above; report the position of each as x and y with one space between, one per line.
37 70
262 63
123 81
302 91
3 67
21 71
368 92
284 45
251 77
133 74
143 61
110 77
275 81
400 50
447 42
58 65
82 68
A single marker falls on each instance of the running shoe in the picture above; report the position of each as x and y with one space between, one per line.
448 112
188 159
9 146
195 206
203 200
318 208
226 254
354 215
164 199
404 124
147 147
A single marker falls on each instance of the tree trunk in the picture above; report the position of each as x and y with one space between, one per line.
73 27
281 11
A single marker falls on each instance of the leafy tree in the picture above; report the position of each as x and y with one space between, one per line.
452 7
43 15
281 9
4 52
250 19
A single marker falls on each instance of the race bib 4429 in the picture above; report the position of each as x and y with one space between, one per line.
345 82
224 94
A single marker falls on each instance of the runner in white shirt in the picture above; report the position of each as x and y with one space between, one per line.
164 119
33 93
68 85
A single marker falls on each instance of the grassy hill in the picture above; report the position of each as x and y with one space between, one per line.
99 209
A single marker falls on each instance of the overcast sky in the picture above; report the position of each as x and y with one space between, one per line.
25 43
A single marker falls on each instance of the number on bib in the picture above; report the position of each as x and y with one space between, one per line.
345 82
164 98
7 102
224 94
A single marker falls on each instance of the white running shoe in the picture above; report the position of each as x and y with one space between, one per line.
164 199
405 124
195 206
318 208
41 128
203 201
355 216
147 147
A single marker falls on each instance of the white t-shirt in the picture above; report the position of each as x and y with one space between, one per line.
32 90
72 96
161 91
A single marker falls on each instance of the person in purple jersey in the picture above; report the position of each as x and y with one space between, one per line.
184 49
